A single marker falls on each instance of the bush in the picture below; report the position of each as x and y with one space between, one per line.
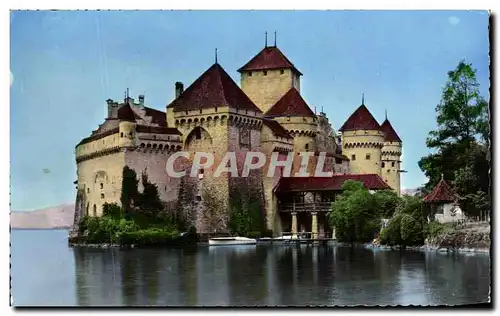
435 229
151 236
391 235
112 210
411 231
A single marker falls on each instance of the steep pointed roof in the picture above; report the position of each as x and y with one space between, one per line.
290 104
214 88
125 113
276 128
441 193
269 58
361 119
390 133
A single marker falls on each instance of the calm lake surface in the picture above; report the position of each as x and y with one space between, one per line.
46 272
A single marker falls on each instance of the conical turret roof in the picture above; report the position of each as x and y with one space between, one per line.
361 119
390 133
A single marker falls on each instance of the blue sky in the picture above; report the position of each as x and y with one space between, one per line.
65 65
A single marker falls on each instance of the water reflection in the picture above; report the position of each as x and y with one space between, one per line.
277 276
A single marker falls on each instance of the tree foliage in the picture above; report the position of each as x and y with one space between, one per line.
356 214
129 189
461 140
407 226
387 201
246 214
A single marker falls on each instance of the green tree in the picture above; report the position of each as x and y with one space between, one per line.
129 189
387 200
149 201
407 226
355 214
246 218
461 141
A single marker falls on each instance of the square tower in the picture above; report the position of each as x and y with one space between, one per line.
268 76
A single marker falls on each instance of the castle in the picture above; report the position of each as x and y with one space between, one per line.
266 114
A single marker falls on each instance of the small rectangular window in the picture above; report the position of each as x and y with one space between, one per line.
198 198
353 157
368 156
393 164
282 71
440 209
250 74
383 164
265 72
88 190
102 195
102 186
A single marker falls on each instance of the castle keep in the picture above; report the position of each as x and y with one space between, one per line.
213 114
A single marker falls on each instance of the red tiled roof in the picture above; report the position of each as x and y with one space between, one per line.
441 193
291 104
361 119
390 133
214 88
158 117
268 58
276 128
125 113
371 181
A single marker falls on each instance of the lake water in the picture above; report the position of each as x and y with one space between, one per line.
46 272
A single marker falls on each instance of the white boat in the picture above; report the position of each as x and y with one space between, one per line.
225 241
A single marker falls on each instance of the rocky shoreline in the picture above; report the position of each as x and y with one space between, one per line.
427 248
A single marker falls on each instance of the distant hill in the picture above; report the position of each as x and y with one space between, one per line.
410 192
52 217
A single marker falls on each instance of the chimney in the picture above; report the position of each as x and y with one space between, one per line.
111 108
179 89
141 99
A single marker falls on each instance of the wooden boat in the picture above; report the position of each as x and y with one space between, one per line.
227 241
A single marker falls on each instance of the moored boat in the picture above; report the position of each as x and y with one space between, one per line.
226 241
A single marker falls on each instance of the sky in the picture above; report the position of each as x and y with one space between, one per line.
64 65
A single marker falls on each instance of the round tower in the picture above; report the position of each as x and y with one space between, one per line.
127 134
391 157
126 126
362 142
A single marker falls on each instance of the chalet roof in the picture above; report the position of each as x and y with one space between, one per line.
441 193
276 128
269 58
290 104
334 183
214 88
361 119
390 133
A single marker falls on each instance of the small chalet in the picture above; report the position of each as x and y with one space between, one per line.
444 201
